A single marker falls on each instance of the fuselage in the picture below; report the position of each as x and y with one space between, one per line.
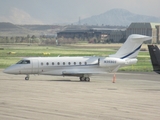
67 65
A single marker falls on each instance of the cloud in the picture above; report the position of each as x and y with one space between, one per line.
18 16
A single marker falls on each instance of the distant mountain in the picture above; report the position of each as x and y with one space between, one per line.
118 17
9 29
7 25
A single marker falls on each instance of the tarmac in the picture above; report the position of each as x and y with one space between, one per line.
134 96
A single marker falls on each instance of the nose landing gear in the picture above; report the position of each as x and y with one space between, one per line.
27 77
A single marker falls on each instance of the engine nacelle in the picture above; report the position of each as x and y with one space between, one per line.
131 61
108 62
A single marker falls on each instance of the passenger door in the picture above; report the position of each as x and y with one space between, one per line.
35 66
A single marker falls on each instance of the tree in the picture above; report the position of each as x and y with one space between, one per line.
28 36
33 37
12 39
7 39
18 39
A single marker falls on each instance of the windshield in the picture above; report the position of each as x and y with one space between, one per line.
24 62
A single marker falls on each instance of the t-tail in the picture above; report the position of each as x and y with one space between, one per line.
155 57
131 47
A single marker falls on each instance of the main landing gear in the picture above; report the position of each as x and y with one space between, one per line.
27 77
87 79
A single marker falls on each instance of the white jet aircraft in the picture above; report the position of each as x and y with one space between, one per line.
82 67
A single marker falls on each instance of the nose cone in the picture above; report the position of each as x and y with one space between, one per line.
10 70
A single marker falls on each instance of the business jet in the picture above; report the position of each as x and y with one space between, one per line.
155 57
82 67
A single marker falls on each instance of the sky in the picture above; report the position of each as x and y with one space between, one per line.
69 11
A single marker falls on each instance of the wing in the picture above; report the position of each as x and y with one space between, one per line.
88 71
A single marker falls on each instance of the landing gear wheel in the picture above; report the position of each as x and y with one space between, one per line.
82 78
26 78
87 79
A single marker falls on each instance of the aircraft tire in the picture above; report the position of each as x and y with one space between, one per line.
82 78
87 79
26 78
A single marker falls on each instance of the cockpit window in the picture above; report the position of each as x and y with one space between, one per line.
24 62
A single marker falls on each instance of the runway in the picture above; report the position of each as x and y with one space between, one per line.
134 96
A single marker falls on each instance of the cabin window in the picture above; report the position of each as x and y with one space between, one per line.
24 62
41 63
52 63
58 63
63 63
69 63
47 63
74 63
80 63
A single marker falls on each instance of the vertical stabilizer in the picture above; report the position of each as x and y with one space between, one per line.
131 47
155 57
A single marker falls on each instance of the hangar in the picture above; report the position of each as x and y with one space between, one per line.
149 29
116 35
